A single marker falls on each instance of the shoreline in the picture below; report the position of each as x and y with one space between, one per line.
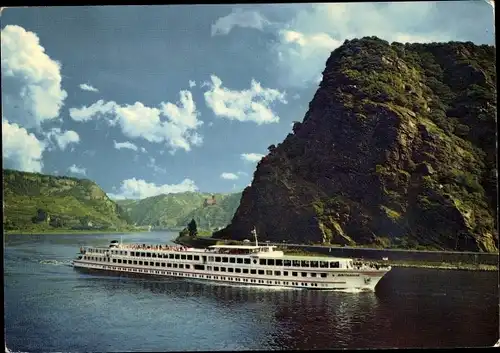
441 266
458 266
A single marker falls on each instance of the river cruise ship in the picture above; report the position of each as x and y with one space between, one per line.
238 264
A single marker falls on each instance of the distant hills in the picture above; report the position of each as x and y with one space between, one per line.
39 203
176 210
36 202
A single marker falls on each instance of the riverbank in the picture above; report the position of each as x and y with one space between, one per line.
445 266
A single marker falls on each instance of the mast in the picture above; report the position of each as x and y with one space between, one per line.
254 232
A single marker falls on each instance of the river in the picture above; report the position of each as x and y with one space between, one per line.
51 307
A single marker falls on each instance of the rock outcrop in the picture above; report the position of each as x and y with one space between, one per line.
397 149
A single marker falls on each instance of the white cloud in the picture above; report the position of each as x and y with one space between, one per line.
246 105
182 122
143 150
87 87
62 139
97 109
296 48
239 18
21 150
139 189
229 176
152 164
192 84
126 144
178 130
31 80
251 157
77 170
306 42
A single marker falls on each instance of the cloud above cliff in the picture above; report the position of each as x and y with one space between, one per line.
239 18
63 138
317 30
139 189
254 104
77 170
31 87
307 35
229 176
173 124
251 157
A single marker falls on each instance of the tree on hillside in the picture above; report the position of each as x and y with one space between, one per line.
192 228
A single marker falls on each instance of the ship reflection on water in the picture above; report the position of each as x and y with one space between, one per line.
408 309
288 316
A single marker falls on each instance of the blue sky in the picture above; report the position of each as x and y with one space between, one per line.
156 99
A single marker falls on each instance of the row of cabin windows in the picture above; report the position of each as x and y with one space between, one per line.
263 272
247 280
144 263
210 268
165 256
232 260
149 254
150 263
278 262
299 263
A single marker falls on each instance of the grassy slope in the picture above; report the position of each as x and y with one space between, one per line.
69 199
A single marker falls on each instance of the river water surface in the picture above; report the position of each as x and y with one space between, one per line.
51 307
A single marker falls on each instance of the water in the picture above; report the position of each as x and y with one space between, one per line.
51 307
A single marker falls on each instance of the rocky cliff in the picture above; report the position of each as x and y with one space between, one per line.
397 149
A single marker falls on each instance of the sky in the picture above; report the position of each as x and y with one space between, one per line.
146 100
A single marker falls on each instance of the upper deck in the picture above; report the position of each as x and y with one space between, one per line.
265 251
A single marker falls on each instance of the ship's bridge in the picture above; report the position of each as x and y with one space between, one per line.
267 250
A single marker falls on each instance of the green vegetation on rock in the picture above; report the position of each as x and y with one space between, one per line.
397 149
35 202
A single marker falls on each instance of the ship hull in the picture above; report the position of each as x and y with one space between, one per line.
344 281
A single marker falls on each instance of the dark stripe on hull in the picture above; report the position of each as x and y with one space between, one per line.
197 279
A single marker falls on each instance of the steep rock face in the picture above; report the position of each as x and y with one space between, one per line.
397 149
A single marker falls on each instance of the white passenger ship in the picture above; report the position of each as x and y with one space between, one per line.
239 264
